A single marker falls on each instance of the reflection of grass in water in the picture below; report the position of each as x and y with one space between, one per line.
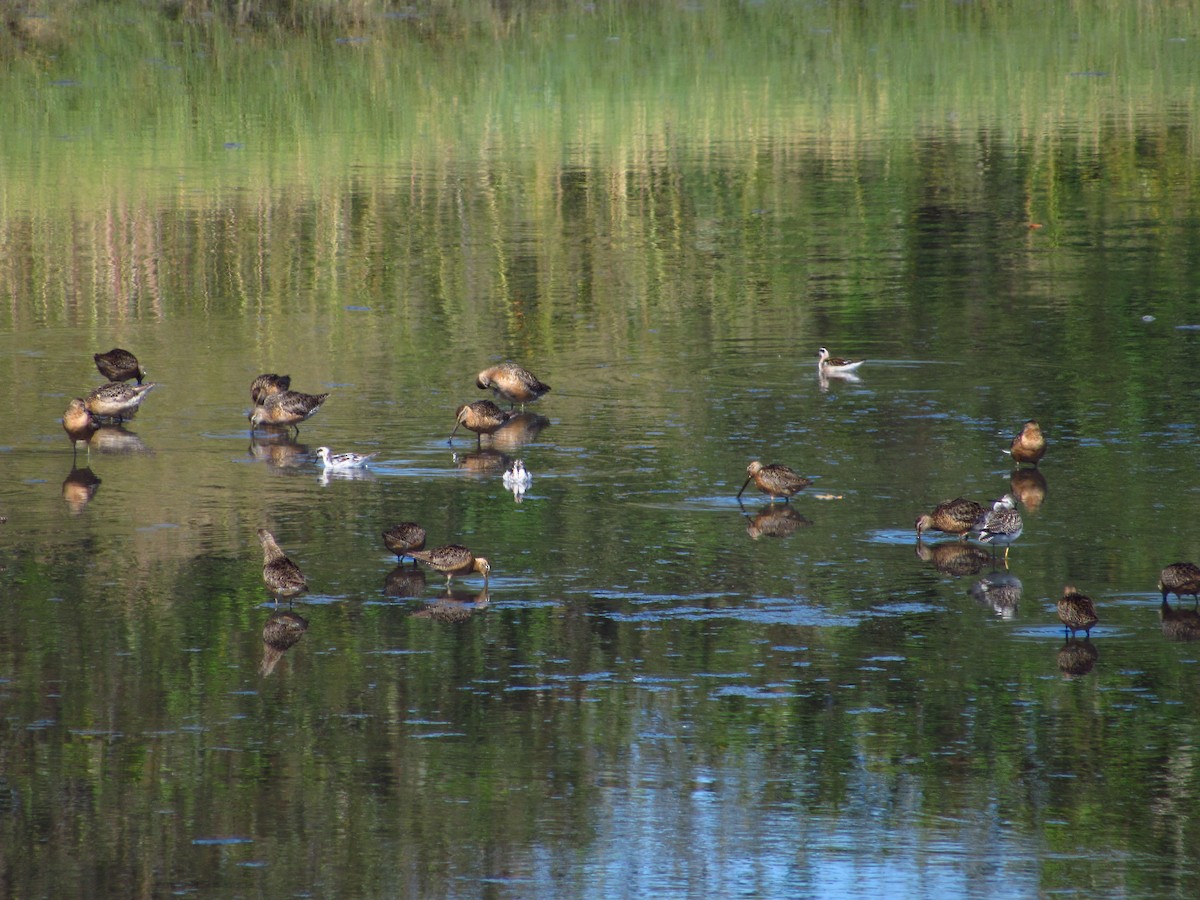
622 87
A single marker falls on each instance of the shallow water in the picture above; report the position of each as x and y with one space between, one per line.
662 691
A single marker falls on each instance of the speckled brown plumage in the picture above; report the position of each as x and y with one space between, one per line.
1076 658
1076 611
282 577
282 631
267 384
453 559
119 365
1001 525
288 408
482 417
511 382
774 480
957 516
1180 578
116 400
402 538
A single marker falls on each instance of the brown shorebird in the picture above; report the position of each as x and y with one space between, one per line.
79 424
1029 446
402 538
119 365
1001 525
957 516
116 400
512 383
482 417
282 576
833 365
267 384
288 408
1077 612
774 480
1180 578
453 559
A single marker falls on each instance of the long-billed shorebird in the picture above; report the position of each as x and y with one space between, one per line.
79 424
403 538
282 577
1180 578
288 408
1076 611
511 382
1030 445
482 417
267 384
774 480
453 559
119 365
957 516
116 400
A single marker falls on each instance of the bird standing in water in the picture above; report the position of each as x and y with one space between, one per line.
512 383
453 559
79 424
1029 446
267 384
1001 525
482 417
1076 611
957 516
403 538
116 400
288 408
282 577
1180 578
774 480
119 365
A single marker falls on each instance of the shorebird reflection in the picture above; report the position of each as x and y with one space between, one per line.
79 488
775 521
282 631
454 606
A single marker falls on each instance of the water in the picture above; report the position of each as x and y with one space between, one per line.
662 691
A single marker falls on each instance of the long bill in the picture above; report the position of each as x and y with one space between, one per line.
748 479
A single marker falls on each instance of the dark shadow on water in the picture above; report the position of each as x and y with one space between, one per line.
1077 657
1179 624
775 521
954 558
404 581
79 487
1029 487
454 607
1000 590
282 631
